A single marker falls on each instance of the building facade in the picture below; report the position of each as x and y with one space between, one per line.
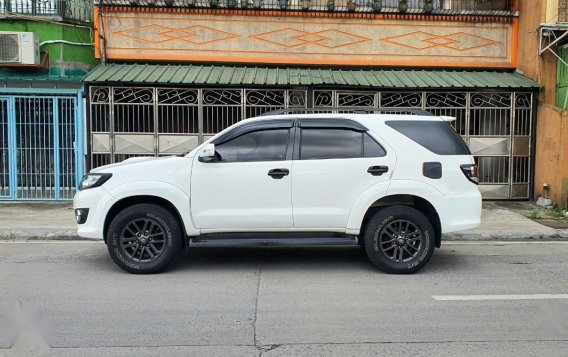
176 72
543 57
45 49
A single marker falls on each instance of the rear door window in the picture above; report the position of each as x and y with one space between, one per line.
331 143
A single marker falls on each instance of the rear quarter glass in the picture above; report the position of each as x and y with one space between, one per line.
437 136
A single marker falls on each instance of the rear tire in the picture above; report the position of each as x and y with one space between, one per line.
144 239
399 239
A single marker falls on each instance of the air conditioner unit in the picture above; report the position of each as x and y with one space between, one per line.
19 48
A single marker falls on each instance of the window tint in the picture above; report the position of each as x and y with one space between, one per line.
371 148
263 145
436 136
337 144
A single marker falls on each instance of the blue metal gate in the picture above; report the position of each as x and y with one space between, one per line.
42 144
5 189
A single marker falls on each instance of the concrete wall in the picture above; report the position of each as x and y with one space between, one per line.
76 60
193 36
552 153
551 161
551 10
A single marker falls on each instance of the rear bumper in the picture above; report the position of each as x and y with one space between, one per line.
459 212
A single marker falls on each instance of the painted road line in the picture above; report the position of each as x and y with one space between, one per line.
499 297
51 241
492 242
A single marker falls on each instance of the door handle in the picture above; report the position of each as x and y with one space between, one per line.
378 170
278 173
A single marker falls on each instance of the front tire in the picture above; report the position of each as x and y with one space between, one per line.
399 239
144 239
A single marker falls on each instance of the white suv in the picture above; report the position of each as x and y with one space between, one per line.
391 183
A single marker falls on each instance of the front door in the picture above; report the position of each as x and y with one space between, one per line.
248 185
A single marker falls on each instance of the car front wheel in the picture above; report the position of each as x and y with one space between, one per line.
399 239
144 239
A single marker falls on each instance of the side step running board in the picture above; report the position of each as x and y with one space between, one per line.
263 242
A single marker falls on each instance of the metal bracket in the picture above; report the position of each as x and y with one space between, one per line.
550 35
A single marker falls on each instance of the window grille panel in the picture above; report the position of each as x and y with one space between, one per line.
490 122
35 166
67 145
356 99
406 100
5 188
100 160
493 169
258 102
523 114
451 105
178 119
221 109
324 99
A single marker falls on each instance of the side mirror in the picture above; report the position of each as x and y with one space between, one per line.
207 154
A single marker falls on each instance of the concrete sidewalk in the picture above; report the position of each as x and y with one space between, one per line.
56 221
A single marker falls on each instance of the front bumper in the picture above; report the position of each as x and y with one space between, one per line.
95 202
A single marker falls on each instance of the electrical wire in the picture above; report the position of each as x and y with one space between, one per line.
65 42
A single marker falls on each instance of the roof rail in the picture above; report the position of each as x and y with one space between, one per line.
352 110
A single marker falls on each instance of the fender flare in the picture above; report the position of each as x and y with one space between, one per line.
166 191
362 204
386 189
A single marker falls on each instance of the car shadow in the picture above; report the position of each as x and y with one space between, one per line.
284 258
323 257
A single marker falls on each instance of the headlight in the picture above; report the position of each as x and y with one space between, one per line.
93 180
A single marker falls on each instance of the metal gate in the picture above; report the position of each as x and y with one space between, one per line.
39 141
142 121
5 187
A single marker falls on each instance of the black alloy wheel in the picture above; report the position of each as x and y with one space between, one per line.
399 239
144 238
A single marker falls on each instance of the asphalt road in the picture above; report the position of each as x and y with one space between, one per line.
479 299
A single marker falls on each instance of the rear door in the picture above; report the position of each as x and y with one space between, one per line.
335 161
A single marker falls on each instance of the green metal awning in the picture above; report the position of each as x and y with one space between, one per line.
217 75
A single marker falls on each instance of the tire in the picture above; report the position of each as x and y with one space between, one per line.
399 240
144 239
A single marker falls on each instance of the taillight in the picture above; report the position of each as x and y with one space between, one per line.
470 171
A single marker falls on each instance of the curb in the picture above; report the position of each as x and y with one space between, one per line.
41 234
553 234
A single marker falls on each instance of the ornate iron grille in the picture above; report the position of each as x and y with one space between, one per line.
435 7
165 121
75 10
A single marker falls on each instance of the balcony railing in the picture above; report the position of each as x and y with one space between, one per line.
434 7
562 11
73 10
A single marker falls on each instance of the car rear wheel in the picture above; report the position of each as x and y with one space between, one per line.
144 239
399 239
